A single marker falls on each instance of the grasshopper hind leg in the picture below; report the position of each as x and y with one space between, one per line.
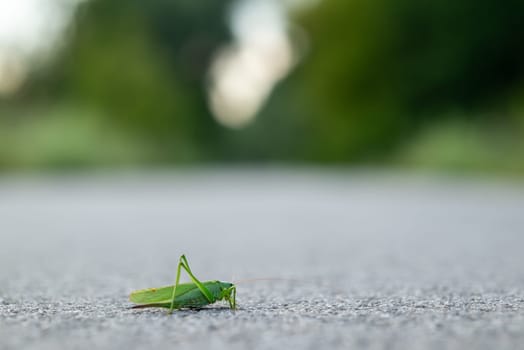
183 264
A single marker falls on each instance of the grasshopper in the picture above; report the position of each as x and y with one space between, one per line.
185 295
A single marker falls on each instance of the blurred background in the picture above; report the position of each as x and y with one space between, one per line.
128 83
308 140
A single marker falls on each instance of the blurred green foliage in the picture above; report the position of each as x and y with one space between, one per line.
403 81
380 70
67 137
143 63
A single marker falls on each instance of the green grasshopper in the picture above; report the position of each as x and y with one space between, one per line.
186 295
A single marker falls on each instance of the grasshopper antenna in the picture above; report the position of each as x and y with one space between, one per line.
249 280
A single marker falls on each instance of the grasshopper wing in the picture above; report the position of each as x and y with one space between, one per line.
161 295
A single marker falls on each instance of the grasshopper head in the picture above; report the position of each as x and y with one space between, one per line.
229 293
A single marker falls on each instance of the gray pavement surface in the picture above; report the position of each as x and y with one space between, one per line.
360 260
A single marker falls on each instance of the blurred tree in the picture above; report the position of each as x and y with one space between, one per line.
377 72
378 68
145 64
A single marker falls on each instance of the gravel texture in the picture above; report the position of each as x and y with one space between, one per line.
359 260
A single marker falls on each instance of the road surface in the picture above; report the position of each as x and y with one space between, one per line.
358 260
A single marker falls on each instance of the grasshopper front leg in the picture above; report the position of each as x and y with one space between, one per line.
182 263
232 298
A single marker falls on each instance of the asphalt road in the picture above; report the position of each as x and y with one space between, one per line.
359 260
